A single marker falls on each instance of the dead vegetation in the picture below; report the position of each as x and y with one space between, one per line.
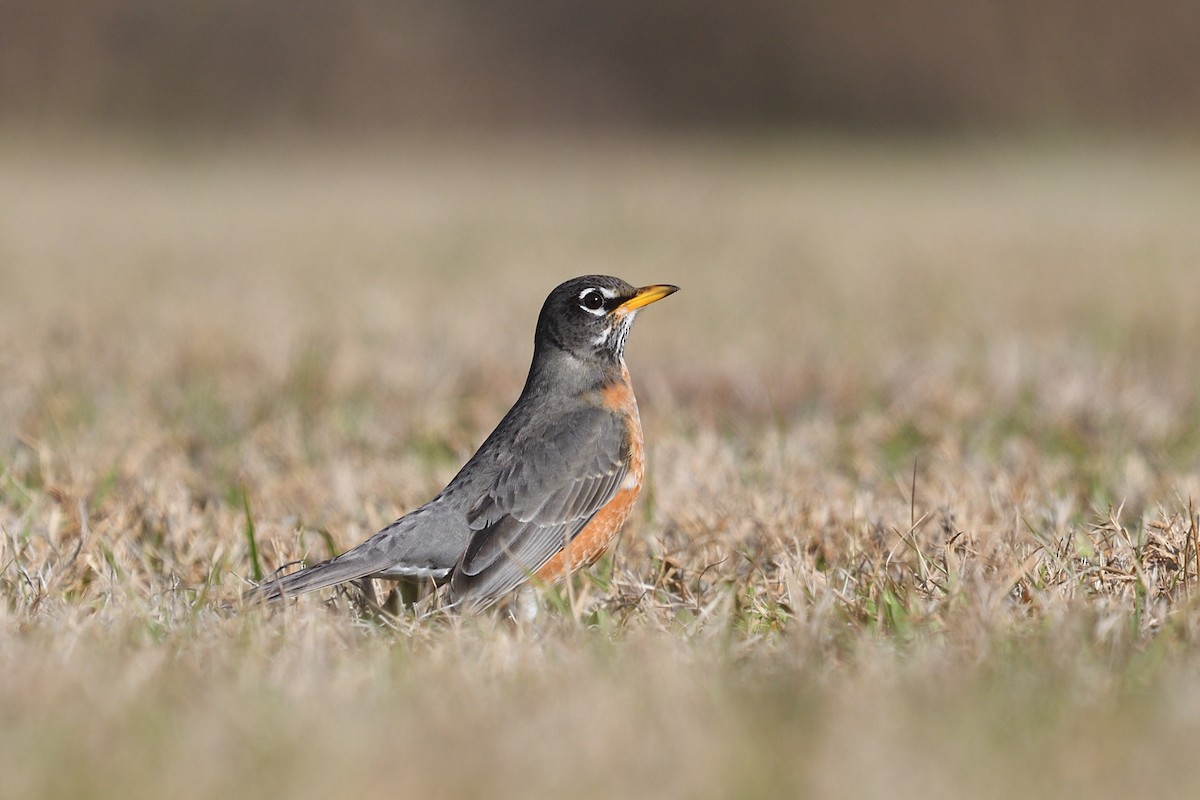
922 433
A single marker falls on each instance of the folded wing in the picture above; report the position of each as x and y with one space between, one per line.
536 506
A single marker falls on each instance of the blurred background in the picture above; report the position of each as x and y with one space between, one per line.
376 196
236 66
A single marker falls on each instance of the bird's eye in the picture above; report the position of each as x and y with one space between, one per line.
591 300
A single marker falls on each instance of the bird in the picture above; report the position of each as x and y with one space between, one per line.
548 490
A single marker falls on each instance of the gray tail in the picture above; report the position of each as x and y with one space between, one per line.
347 567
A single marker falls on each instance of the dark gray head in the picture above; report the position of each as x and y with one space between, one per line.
589 317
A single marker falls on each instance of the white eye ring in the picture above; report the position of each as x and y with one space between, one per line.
592 301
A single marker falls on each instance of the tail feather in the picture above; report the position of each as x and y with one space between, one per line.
404 549
338 570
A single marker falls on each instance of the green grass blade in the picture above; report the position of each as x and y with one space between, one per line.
256 570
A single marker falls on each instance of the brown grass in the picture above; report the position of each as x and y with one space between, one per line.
922 434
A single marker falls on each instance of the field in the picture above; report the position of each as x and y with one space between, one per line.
923 443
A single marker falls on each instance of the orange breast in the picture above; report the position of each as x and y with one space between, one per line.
594 539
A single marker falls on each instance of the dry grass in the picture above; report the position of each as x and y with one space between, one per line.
923 442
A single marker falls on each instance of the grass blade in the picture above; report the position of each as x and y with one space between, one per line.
256 571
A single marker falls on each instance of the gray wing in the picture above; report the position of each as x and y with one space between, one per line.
556 482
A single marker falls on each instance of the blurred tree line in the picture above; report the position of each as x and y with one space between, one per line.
242 64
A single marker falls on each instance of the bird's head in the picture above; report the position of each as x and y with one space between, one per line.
589 317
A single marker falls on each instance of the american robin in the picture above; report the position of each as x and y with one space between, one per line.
548 490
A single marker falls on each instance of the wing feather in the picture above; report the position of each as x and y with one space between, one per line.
535 507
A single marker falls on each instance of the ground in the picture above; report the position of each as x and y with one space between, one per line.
923 442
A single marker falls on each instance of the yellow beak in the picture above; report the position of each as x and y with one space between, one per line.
647 295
